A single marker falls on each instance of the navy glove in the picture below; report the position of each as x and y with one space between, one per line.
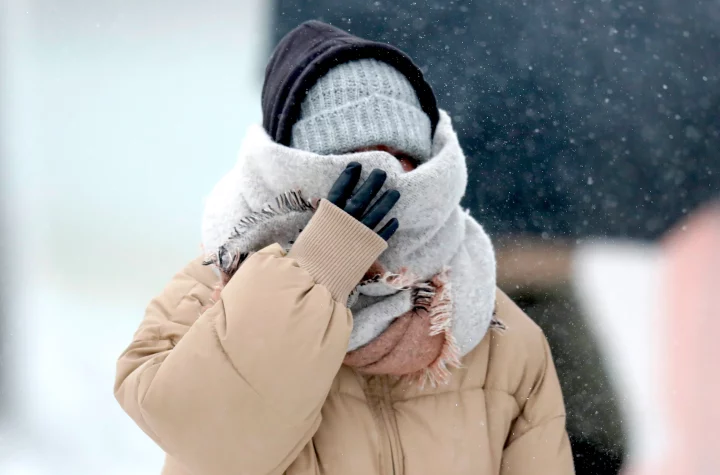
357 204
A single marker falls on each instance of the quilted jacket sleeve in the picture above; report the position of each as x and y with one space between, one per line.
538 441
236 386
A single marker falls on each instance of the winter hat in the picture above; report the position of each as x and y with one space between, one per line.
307 54
360 104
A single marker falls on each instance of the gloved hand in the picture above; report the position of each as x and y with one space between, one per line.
356 204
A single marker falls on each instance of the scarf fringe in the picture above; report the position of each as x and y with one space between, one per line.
423 296
498 325
435 297
227 259
401 280
441 319
288 202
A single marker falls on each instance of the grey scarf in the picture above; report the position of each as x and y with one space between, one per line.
268 198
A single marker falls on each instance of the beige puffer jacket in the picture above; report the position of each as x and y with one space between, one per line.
254 383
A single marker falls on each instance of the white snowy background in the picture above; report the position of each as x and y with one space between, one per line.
117 118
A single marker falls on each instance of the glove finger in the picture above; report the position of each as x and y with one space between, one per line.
361 199
345 184
380 208
389 229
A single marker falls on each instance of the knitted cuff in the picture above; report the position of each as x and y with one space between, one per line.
336 249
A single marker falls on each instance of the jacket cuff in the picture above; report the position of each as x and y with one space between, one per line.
336 249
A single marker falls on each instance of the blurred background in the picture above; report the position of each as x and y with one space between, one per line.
592 131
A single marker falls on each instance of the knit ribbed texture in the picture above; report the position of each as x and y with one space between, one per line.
336 249
361 104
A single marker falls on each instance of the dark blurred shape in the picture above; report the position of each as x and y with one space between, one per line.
536 275
591 460
578 118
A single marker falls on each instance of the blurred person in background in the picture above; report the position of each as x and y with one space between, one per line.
342 328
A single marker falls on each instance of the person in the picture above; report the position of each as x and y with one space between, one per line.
344 318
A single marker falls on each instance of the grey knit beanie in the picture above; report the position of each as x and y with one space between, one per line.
362 103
